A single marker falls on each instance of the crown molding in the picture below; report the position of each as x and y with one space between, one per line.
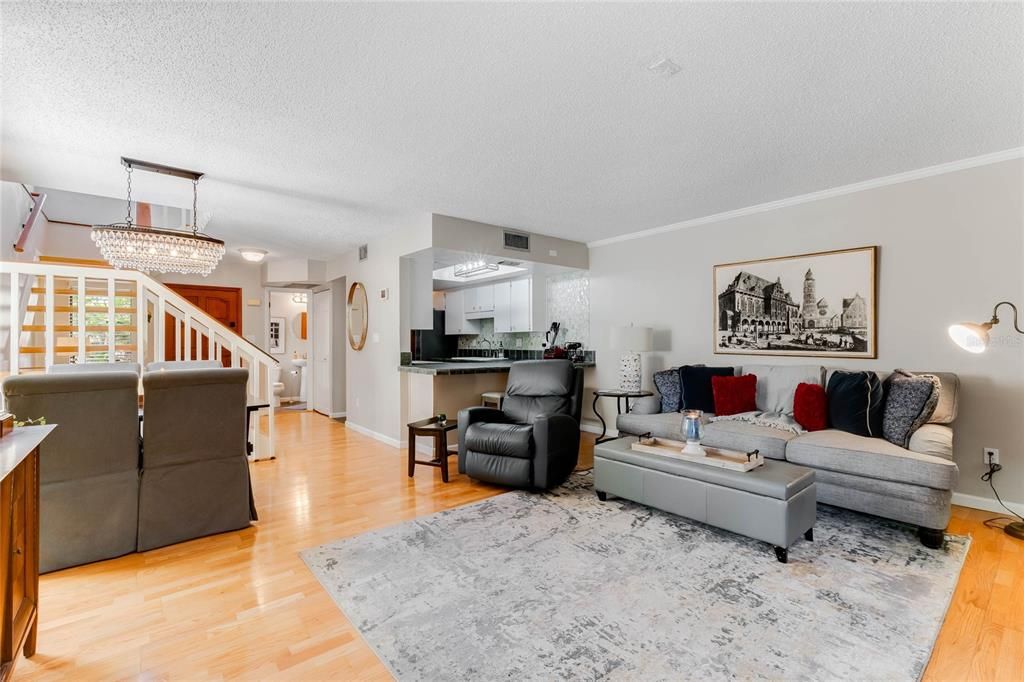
907 176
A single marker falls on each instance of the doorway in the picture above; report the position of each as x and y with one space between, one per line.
287 339
223 304
322 360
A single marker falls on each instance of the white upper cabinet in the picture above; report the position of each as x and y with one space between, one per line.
455 321
516 306
502 307
479 301
519 315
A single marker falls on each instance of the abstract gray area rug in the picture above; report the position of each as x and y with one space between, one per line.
560 585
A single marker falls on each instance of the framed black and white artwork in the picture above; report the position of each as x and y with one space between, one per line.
276 335
814 304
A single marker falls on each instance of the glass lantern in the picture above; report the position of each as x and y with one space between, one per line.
693 429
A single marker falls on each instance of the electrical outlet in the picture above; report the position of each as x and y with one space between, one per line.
991 456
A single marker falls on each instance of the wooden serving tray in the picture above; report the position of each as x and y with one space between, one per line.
715 457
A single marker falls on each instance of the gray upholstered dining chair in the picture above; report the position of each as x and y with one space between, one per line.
91 367
533 441
88 467
167 365
195 475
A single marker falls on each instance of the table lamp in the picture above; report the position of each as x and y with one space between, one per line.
632 341
973 338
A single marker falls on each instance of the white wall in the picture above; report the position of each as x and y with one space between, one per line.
374 386
235 271
339 361
951 246
282 305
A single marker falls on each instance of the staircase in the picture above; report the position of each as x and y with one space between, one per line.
58 314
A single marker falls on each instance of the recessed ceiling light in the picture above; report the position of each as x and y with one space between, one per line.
253 255
664 67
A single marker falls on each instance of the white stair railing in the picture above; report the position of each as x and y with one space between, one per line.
129 312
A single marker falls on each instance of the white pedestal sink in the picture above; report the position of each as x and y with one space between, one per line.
301 363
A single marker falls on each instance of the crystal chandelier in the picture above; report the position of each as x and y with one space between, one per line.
140 247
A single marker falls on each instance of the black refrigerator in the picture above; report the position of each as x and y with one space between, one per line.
433 344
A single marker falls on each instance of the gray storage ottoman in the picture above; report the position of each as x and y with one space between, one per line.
775 503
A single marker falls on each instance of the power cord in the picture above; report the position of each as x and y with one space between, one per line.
994 469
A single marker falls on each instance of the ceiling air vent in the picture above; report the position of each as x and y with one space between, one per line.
362 252
517 241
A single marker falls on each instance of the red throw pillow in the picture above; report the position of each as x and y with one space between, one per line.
734 394
810 407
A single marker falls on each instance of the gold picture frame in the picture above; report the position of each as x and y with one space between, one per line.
776 306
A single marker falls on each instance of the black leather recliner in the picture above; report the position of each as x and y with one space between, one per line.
533 441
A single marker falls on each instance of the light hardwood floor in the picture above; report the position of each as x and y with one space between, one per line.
243 605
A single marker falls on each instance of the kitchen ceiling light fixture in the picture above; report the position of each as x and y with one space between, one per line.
253 255
141 247
474 268
300 298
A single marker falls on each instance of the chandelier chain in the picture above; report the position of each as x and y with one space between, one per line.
195 212
128 217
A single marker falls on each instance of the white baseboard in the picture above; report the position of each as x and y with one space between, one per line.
591 426
337 415
986 503
393 442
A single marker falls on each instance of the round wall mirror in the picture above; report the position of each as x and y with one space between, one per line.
357 316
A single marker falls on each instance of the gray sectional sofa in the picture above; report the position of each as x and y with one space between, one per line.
913 485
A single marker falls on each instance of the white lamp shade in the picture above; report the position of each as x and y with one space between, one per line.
973 338
633 339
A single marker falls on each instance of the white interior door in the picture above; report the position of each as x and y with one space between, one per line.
322 352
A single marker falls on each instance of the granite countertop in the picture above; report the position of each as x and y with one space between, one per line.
445 368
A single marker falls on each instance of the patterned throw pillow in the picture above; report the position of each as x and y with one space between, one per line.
670 388
910 402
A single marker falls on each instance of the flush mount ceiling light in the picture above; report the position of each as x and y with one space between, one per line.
300 298
664 67
475 268
253 255
141 247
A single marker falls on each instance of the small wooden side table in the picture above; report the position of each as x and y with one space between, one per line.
439 432
618 394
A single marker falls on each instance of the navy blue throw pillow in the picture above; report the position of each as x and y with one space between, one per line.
856 402
696 382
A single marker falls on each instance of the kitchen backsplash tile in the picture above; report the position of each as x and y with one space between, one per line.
568 303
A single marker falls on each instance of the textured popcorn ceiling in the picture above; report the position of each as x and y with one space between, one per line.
323 124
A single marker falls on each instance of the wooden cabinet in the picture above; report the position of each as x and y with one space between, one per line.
19 543
455 321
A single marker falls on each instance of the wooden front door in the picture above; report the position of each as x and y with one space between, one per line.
223 304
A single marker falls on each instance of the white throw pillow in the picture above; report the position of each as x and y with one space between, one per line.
776 384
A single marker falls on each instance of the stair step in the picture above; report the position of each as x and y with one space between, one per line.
74 309
38 350
73 328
